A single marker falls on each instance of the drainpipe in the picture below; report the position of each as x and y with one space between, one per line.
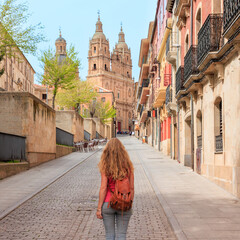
192 132
178 158
192 112
191 22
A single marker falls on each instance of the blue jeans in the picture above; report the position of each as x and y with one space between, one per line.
122 220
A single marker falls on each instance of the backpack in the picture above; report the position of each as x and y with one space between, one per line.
121 197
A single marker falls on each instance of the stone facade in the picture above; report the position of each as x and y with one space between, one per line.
113 71
25 115
18 74
199 109
90 127
71 121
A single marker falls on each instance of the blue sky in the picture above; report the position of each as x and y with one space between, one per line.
77 20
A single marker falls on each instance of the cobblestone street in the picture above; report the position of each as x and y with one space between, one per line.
66 209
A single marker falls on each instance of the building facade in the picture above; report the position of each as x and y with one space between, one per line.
113 71
198 48
18 73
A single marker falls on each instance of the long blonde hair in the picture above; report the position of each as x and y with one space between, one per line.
115 161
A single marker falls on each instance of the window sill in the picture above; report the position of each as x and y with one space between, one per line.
218 152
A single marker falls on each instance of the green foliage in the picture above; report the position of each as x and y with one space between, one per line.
81 92
15 32
99 109
59 73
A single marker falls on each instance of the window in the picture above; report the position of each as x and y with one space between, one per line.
94 49
198 23
103 99
44 96
94 66
106 86
61 48
118 95
218 125
106 67
127 58
105 49
186 44
129 92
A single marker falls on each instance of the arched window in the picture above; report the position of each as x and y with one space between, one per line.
186 44
218 125
61 48
94 66
199 129
118 95
105 49
106 67
94 49
198 23
129 92
103 99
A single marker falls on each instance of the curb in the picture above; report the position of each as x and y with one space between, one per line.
22 201
170 216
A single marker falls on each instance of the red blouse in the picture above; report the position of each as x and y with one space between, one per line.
111 185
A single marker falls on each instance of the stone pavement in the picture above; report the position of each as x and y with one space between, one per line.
195 207
66 208
17 189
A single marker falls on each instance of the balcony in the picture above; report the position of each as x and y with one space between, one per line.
231 17
219 143
182 11
168 95
179 79
143 115
144 73
145 91
190 63
171 48
160 97
209 36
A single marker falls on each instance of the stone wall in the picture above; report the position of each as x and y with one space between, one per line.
72 122
100 127
63 150
9 169
90 126
25 115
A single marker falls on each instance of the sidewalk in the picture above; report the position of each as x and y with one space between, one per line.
195 207
17 189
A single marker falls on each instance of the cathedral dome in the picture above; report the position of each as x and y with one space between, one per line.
121 40
99 31
60 38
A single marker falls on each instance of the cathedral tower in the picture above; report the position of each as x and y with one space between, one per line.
60 44
121 57
98 54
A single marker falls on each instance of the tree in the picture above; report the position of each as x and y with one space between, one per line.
59 73
101 110
15 32
81 92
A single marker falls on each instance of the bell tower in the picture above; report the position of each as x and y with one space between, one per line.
98 54
60 44
121 57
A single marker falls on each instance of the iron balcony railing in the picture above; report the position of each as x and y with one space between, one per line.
171 42
231 12
145 83
190 62
209 36
179 79
168 95
219 143
199 141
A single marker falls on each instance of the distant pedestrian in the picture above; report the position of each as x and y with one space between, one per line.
116 168
130 133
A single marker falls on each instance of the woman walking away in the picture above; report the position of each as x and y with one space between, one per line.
117 190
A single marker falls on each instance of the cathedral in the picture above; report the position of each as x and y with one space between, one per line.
113 71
